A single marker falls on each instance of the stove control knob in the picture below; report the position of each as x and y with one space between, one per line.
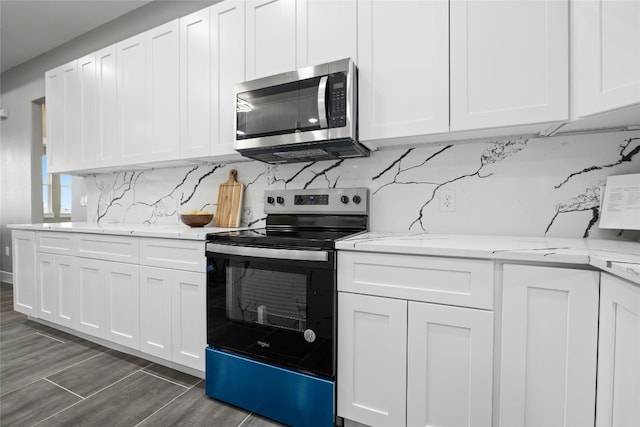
356 199
270 200
309 335
344 199
280 200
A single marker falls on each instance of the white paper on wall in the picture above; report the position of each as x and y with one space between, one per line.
621 203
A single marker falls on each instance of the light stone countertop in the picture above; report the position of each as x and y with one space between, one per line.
178 231
616 257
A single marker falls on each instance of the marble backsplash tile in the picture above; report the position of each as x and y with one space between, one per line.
532 187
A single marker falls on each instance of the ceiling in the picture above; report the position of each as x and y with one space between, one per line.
29 28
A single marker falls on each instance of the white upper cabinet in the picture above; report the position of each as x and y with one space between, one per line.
108 147
227 69
326 31
195 84
509 63
132 112
271 37
63 113
606 55
403 68
163 92
71 116
88 119
148 95
54 99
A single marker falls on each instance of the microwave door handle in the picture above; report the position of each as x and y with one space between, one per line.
258 252
322 106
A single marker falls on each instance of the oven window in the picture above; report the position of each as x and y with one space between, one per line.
266 297
278 311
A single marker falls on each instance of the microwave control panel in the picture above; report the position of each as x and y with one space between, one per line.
338 100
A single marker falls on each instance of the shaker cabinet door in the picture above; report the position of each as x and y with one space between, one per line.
606 55
227 69
509 63
449 366
109 146
92 297
155 309
45 265
271 37
66 291
88 117
163 92
403 68
618 354
122 303
326 31
189 319
24 272
372 359
195 85
549 340
132 99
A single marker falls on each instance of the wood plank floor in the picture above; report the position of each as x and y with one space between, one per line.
51 378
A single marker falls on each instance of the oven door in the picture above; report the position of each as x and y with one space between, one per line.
275 305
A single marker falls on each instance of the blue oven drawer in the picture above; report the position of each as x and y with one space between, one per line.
286 396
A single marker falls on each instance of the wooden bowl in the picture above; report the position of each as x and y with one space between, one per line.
196 220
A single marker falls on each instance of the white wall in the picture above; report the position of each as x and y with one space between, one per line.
24 84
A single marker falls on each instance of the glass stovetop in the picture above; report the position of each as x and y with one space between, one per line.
316 238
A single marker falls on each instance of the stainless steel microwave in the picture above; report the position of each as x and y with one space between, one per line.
305 115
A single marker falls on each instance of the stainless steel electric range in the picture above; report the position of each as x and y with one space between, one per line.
271 305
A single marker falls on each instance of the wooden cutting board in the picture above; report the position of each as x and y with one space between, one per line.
229 202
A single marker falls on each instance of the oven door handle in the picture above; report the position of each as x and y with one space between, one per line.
288 254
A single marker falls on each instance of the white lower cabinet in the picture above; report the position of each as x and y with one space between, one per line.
148 294
549 346
449 366
109 301
413 363
123 303
155 306
25 292
91 297
372 359
406 361
618 401
56 287
173 315
45 272
188 319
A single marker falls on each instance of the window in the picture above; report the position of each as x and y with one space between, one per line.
56 193
65 195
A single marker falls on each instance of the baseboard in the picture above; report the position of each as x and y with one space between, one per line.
6 277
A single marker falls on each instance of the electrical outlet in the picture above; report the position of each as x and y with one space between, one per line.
447 201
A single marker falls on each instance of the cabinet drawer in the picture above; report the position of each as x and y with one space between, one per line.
461 282
54 243
110 248
173 253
